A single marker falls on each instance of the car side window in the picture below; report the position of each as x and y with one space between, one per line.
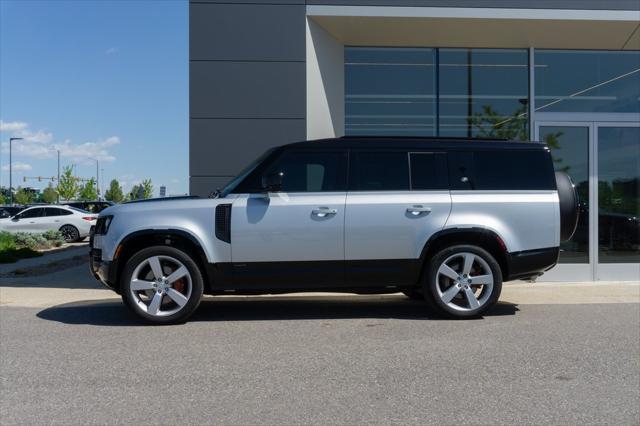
52 211
311 171
514 170
428 171
379 171
31 213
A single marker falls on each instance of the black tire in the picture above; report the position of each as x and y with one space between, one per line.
196 283
432 284
70 233
413 294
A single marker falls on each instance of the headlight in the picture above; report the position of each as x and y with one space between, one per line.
102 225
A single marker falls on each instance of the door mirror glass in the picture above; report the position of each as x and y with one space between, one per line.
272 182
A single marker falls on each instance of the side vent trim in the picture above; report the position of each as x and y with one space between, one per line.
223 222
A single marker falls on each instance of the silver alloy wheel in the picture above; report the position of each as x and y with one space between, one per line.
161 285
464 281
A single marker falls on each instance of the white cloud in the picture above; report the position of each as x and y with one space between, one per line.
17 167
39 136
39 144
111 51
89 151
12 126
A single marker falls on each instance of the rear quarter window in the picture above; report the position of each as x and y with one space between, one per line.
513 170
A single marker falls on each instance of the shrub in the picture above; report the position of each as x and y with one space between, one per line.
6 241
54 237
11 251
37 241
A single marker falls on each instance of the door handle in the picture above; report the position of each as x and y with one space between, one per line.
417 210
324 211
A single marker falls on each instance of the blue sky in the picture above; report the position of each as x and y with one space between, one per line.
96 78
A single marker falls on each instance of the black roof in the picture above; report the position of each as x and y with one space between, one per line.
405 142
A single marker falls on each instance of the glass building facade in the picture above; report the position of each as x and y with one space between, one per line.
583 104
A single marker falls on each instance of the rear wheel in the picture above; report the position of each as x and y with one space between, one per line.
162 285
70 233
463 281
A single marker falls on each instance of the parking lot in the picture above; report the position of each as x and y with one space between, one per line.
72 354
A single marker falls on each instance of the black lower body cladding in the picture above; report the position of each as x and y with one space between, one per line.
531 263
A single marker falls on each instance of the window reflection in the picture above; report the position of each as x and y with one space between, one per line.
394 91
484 93
619 194
587 81
390 91
570 151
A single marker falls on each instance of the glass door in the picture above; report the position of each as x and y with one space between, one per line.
603 160
571 145
618 202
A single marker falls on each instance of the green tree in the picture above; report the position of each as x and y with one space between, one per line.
114 193
89 192
22 196
147 189
3 199
491 124
49 195
68 186
135 193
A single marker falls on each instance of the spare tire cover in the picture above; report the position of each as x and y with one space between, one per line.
568 206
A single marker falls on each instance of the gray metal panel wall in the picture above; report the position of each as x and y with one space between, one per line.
247 84
239 142
247 89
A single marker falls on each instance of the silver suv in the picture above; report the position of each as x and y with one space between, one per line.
442 220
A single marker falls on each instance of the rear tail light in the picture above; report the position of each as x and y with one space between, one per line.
89 218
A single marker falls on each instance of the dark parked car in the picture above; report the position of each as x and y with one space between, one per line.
10 211
90 206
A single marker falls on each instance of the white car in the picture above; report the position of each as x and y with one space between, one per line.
74 224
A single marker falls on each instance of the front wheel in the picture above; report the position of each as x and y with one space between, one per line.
463 281
162 285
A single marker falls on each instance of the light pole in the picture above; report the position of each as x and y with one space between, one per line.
58 185
11 169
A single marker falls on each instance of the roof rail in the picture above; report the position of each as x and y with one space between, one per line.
452 138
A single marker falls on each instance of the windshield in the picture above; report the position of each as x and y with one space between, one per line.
244 173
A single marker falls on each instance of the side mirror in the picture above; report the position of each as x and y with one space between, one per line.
272 182
15 218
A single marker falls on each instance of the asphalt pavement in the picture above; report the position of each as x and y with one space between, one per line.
321 360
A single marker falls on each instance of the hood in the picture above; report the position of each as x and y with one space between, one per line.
167 203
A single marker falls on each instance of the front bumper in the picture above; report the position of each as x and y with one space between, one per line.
103 271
